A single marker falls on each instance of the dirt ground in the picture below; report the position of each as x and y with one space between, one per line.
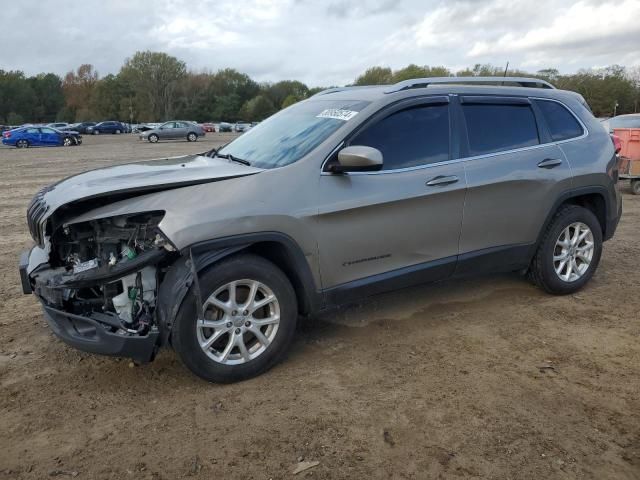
482 378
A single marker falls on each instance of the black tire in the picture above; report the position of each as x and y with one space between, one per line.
153 138
117 132
22 144
96 132
542 271
192 137
635 187
244 266
67 141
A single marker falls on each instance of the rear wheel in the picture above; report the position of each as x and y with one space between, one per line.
192 137
250 313
22 144
569 252
635 187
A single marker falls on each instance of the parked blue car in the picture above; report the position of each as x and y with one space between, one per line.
107 127
24 137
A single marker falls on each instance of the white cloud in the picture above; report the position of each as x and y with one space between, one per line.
321 43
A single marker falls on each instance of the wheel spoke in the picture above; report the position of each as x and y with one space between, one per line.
567 274
242 347
261 322
214 324
259 335
253 290
586 247
225 307
227 350
233 300
213 338
562 256
261 303
574 267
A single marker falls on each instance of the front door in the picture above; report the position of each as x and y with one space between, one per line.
401 225
49 136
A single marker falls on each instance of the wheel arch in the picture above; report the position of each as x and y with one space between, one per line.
276 247
593 198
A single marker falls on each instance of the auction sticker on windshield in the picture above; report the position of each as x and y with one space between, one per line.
337 114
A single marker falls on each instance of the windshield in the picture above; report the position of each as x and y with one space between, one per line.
289 135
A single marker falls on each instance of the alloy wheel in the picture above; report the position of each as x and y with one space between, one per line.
573 252
241 319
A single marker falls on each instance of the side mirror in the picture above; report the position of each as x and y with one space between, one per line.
358 158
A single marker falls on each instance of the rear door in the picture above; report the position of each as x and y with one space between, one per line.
33 136
181 130
401 225
514 175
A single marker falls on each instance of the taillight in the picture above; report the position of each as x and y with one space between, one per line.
6 134
617 143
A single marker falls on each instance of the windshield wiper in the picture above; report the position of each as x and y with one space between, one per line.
228 156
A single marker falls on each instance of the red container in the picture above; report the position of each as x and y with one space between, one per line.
630 138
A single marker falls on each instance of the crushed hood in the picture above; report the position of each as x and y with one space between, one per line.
142 177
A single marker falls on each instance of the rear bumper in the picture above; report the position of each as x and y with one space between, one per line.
89 335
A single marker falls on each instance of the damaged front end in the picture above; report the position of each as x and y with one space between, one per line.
99 287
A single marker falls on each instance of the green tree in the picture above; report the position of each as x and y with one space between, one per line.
280 91
415 71
258 108
375 76
15 119
154 78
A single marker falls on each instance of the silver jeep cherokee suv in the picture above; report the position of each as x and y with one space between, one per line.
350 193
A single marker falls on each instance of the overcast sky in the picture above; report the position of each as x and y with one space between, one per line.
320 42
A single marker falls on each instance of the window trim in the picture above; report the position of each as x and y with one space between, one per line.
499 100
585 131
386 111
455 109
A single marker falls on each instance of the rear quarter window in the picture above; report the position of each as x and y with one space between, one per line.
561 123
495 128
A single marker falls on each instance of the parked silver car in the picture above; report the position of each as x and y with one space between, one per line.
173 130
353 192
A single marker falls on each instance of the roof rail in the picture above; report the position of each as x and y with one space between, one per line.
425 82
342 89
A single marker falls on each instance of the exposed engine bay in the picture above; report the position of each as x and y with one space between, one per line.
108 269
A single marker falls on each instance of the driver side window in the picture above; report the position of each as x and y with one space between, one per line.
415 136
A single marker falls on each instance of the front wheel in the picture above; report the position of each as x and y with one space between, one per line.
117 132
67 141
635 187
250 313
153 138
192 137
96 132
569 252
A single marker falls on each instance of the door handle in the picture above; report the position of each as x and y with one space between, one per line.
442 180
549 163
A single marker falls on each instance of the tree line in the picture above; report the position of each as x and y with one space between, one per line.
154 86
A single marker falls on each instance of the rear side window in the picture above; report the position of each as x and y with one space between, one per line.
411 137
561 123
497 127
